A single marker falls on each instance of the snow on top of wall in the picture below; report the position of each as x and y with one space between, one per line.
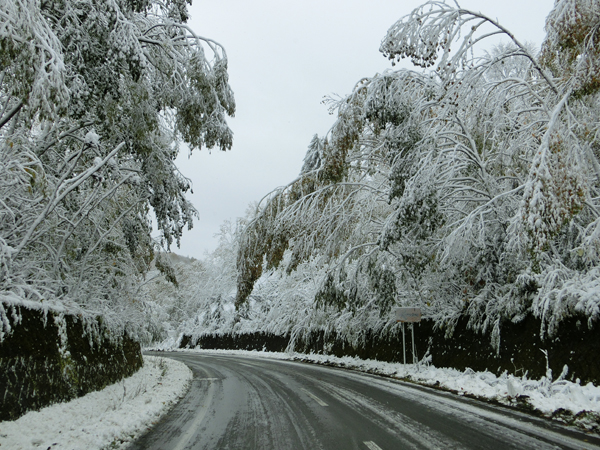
12 299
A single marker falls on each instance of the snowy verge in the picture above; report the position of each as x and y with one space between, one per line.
559 399
110 418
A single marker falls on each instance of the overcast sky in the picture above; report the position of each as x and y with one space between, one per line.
284 57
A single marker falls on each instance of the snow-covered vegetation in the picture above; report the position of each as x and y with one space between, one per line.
202 297
468 187
95 99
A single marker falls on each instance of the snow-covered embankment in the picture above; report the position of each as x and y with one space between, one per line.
113 417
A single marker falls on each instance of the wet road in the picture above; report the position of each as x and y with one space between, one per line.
247 403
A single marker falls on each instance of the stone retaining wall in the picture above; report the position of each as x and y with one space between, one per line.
521 348
49 357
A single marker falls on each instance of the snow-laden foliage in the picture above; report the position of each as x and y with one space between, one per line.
467 188
95 97
571 49
202 299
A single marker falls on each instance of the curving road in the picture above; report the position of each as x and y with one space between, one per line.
247 403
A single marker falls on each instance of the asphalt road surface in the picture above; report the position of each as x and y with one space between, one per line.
245 403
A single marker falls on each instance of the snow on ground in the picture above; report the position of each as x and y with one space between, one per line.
110 418
115 416
560 399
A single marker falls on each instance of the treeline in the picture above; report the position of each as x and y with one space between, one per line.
469 188
96 98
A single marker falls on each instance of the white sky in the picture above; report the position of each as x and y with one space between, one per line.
284 57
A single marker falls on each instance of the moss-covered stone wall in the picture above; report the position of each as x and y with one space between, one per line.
48 357
521 347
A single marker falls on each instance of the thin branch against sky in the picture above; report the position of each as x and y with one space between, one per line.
283 59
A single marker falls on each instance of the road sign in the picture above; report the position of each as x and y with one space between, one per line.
408 314
411 315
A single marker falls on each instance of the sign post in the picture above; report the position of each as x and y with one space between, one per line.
403 344
410 315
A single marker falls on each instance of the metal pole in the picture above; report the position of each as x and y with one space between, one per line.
403 344
412 329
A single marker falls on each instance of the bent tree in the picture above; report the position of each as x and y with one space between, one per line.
95 99
468 187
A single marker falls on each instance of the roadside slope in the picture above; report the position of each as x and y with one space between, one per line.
110 418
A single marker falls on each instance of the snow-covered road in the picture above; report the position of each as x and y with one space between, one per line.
248 402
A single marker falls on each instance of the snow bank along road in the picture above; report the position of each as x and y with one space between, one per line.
249 403
110 418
